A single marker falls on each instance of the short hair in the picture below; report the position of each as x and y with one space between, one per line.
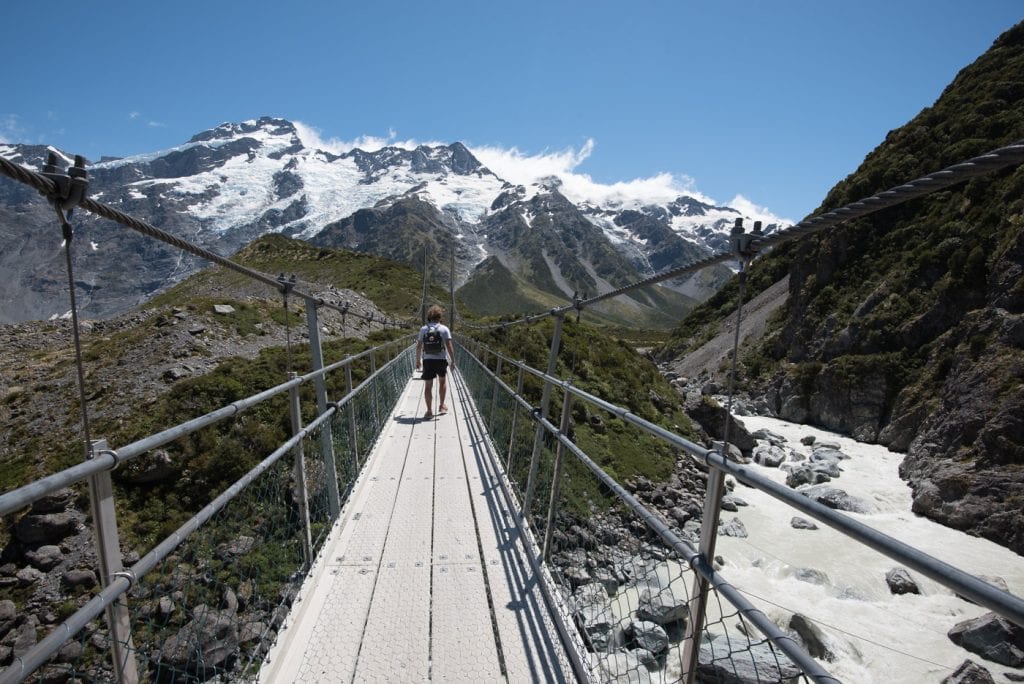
435 313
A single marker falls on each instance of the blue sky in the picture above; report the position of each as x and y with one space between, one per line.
771 101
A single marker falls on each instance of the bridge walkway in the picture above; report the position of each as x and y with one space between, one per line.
425 576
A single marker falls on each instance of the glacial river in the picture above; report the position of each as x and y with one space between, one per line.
876 637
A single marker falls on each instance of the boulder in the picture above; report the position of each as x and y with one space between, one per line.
969 672
992 637
46 528
900 582
45 557
80 577
769 455
648 636
203 646
835 498
622 666
798 523
812 637
758 663
733 528
662 606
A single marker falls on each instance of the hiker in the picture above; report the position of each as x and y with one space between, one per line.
433 339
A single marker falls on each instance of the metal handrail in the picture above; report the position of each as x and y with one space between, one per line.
122 582
109 459
1008 605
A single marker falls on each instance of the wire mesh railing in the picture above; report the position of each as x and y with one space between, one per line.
208 601
646 596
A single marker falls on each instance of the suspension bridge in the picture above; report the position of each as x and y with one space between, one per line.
377 545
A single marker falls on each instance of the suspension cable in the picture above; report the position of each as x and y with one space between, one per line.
68 233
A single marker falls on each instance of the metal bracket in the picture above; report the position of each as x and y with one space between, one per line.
69 186
746 245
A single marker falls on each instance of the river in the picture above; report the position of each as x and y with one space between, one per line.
876 636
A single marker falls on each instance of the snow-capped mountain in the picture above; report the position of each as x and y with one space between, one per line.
233 183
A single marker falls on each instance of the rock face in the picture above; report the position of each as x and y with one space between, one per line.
992 637
911 339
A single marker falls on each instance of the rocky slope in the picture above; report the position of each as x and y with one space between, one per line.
905 328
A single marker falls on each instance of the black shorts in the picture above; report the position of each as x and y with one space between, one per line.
433 368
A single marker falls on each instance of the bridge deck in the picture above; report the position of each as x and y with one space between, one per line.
424 576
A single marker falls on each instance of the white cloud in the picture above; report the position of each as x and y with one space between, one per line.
312 139
156 124
525 169
756 211
133 115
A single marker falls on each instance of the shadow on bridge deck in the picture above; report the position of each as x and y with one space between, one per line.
424 577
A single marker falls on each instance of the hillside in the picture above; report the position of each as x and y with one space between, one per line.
906 328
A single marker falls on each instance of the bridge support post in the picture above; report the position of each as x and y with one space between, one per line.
515 416
376 400
326 442
353 438
556 480
494 391
545 402
299 474
108 551
699 591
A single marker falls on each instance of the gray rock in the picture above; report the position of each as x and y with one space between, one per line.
992 637
900 582
733 528
662 606
204 645
969 672
46 528
806 474
798 523
8 615
223 308
770 456
835 498
29 576
26 638
80 577
812 637
55 502
811 576
807 440
649 636
45 557
759 663
239 547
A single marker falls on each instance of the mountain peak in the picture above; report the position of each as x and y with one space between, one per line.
229 130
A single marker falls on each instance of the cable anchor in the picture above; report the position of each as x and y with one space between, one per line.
69 186
746 245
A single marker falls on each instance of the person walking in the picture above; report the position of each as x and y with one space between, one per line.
432 343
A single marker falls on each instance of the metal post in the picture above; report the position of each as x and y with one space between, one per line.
326 443
451 306
494 391
108 551
353 438
515 416
699 592
299 474
556 482
376 401
545 402
423 305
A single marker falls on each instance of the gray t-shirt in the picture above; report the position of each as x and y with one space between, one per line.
446 335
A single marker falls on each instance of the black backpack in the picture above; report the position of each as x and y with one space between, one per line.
433 343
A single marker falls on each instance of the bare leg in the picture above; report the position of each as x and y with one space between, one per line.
443 390
428 391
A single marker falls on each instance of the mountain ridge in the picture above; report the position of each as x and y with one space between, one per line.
235 182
